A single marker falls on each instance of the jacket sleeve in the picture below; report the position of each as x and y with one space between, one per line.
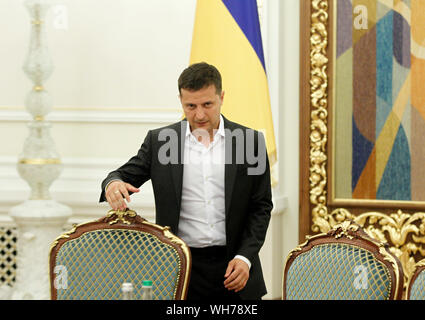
136 171
259 212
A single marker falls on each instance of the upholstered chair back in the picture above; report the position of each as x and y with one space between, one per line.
94 259
344 264
416 283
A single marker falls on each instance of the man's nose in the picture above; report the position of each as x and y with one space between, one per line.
200 114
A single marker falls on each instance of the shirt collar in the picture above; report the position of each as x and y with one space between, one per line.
220 129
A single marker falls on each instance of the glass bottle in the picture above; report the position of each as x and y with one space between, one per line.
127 291
147 290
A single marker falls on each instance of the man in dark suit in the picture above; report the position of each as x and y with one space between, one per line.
211 182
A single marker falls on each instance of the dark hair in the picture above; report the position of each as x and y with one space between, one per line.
198 76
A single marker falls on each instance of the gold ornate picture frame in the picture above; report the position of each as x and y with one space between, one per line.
400 223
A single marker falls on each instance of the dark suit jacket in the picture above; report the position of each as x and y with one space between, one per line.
247 197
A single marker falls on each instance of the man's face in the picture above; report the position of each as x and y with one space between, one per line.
202 108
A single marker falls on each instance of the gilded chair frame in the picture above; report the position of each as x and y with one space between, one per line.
129 220
419 267
351 233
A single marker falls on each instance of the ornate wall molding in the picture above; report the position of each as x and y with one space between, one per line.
99 115
79 187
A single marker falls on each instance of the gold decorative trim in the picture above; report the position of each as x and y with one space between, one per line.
419 264
319 114
303 245
67 234
35 161
186 252
39 118
38 88
121 216
339 230
388 257
343 230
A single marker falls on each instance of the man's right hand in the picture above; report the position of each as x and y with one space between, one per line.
116 192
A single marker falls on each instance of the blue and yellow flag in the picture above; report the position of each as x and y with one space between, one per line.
227 35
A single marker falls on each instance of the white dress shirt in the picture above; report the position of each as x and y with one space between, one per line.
202 220
202 216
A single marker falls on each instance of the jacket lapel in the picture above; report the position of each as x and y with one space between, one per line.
230 168
177 169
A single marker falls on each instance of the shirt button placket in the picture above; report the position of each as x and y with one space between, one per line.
208 191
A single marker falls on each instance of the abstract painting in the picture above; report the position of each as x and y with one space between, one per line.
379 100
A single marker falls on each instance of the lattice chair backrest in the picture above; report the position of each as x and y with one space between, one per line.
343 264
416 283
94 259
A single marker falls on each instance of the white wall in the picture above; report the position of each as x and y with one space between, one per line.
115 77
281 45
289 121
125 53
116 69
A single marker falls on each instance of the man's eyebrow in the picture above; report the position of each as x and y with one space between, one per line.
204 102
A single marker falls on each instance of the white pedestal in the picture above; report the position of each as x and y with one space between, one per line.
39 223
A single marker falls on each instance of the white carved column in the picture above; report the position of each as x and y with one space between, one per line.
40 218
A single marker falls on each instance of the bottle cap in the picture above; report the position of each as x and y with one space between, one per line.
147 283
127 286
